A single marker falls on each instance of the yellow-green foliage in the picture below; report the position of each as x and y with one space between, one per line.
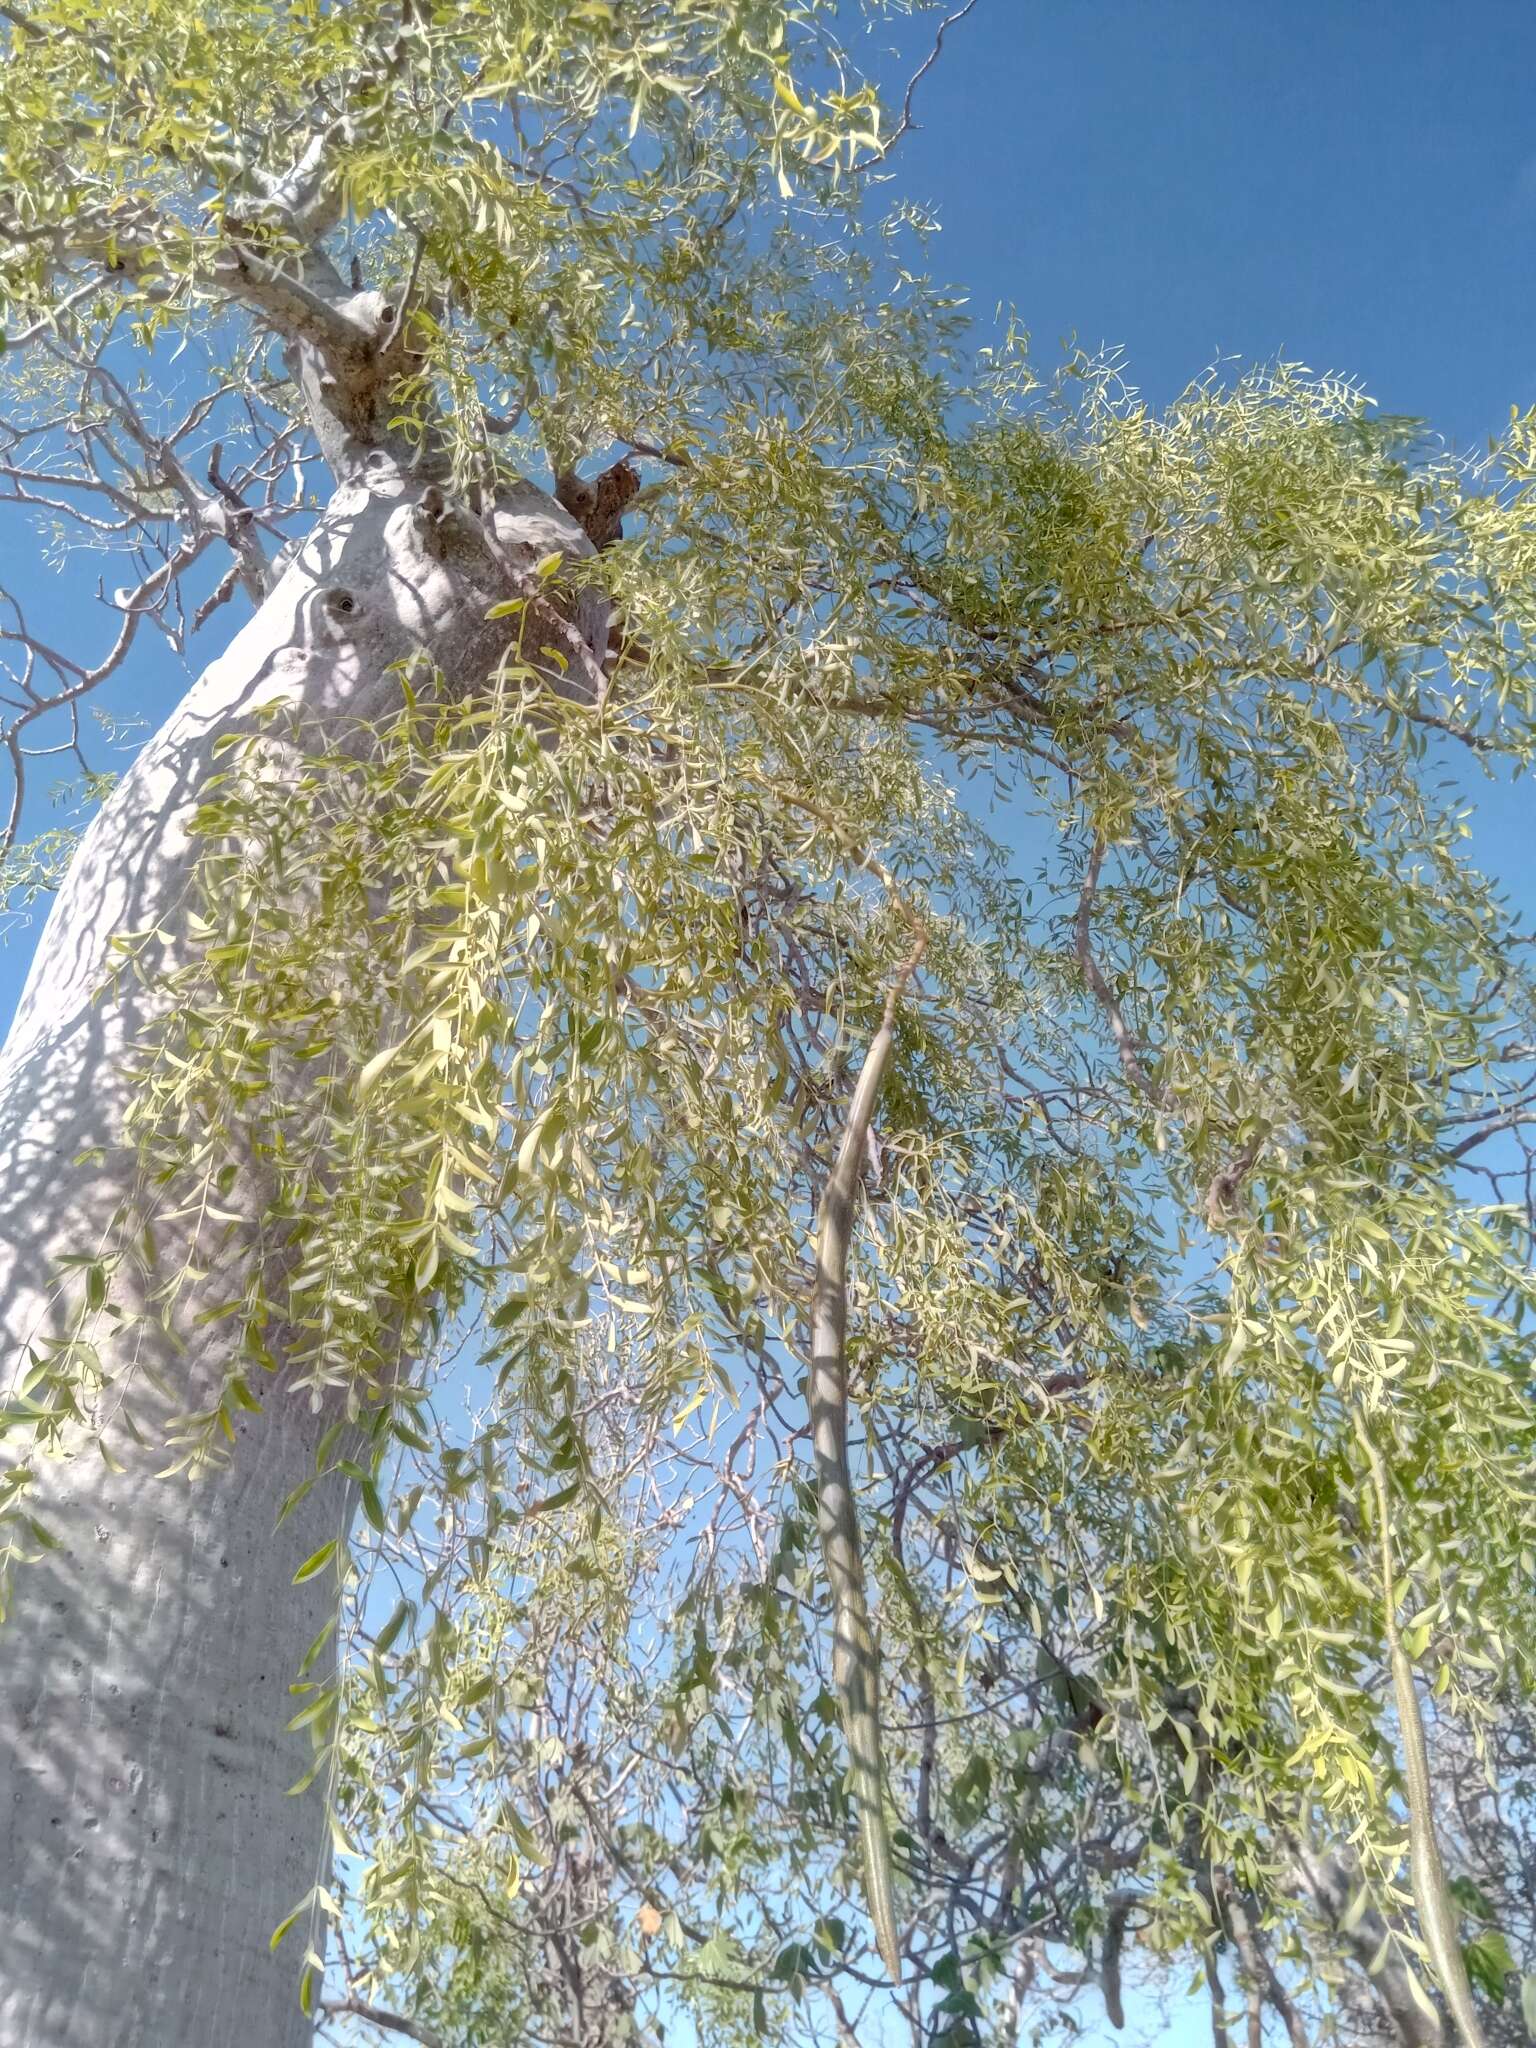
541 1019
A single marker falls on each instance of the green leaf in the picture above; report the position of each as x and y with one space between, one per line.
317 1562
323 1704
374 1067
384 1641
292 1920
1489 1963
315 1648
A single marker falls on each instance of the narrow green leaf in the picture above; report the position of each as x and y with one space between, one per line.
314 1565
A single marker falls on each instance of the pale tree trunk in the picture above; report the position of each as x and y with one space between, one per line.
147 1843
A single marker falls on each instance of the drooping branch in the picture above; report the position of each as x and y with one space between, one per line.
1227 1182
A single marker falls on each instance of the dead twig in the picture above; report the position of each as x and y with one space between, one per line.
907 123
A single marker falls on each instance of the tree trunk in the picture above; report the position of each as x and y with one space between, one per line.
147 1845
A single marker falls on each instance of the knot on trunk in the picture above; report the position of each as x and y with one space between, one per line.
598 506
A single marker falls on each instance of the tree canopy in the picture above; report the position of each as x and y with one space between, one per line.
1190 1272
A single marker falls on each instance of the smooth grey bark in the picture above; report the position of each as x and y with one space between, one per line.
147 1843
1333 1883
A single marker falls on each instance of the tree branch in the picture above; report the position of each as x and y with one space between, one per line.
390 2022
907 123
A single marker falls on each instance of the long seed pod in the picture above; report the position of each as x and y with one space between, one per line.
1431 1894
855 1654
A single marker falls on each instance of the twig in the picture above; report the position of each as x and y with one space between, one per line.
675 458
49 320
906 124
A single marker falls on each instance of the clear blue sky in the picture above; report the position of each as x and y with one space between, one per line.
1350 183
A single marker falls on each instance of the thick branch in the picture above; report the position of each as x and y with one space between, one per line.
1259 1972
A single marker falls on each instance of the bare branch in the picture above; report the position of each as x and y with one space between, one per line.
1510 1120
390 2022
906 124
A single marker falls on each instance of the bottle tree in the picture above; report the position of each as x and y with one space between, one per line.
544 1022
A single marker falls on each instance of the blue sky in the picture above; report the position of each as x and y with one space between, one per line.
1352 186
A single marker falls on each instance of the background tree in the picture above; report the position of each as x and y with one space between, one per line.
435 1060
